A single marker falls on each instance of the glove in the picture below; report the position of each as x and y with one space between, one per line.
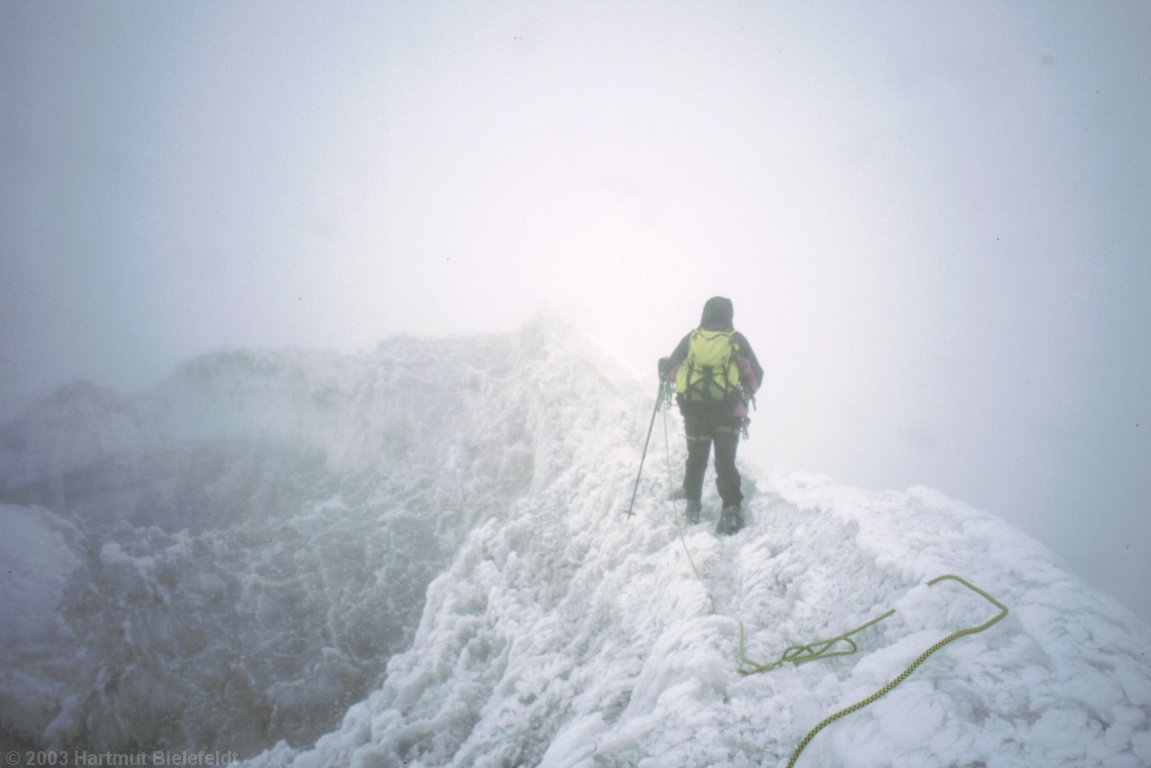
662 367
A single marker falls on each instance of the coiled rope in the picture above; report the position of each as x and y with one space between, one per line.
801 654
911 668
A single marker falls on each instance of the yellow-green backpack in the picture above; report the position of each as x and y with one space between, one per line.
710 372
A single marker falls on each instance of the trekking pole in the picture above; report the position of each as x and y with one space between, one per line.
658 402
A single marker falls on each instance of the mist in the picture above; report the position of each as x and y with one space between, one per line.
932 219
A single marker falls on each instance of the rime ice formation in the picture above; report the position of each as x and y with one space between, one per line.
418 557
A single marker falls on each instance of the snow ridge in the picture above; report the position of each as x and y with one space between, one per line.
430 541
230 558
567 636
562 638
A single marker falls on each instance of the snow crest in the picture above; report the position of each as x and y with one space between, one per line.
429 542
569 636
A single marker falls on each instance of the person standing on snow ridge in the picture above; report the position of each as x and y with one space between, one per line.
716 374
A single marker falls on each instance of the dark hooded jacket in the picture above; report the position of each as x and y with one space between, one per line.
717 316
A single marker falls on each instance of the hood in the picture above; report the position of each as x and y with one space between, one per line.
717 314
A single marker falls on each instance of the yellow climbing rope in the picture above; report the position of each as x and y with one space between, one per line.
822 649
911 668
801 654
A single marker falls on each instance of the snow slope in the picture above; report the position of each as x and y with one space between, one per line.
230 558
420 557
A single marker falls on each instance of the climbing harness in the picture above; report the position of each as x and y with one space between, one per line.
911 668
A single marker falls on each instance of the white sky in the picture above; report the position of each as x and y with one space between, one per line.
934 218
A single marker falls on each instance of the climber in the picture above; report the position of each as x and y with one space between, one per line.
716 375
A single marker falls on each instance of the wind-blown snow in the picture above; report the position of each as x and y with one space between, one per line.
419 557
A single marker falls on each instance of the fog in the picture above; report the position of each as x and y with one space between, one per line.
934 219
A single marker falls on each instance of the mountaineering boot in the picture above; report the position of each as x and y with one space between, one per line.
730 521
693 510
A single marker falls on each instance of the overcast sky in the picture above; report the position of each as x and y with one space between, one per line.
934 218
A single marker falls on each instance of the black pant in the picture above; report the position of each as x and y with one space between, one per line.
701 433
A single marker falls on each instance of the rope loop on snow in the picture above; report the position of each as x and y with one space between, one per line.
911 668
801 654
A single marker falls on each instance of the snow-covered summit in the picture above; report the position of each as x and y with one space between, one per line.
419 557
